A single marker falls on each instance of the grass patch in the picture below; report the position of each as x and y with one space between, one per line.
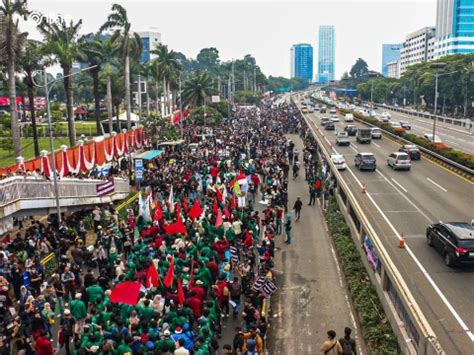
376 328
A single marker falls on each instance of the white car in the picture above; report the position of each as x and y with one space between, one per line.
429 136
334 118
376 133
349 117
339 161
387 114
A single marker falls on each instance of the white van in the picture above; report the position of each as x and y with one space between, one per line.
349 117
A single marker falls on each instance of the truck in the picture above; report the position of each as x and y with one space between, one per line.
364 135
342 138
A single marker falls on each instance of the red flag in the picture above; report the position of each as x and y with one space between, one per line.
177 227
233 202
219 220
169 278
219 195
181 297
195 211
185 205
177 210
226 211
215 207
126 292
152 276
158 213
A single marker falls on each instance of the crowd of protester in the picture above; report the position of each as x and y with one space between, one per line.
206 223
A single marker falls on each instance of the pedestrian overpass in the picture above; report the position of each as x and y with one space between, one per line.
21 196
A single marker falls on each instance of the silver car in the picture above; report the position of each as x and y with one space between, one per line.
399 160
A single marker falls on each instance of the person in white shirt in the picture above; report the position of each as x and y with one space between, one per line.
181 350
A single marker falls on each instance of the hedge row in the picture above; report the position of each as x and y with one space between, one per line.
376 328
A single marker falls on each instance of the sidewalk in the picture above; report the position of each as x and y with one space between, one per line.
311 297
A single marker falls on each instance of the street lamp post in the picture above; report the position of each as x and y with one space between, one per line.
47 88
437 75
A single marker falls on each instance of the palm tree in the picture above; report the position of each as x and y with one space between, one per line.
32 61
197 88
61 41
168 65
131 47
11 46
156 76
145 72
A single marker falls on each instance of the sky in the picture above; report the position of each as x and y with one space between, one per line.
264 29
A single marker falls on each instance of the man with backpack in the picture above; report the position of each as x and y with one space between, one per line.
348 344
235 292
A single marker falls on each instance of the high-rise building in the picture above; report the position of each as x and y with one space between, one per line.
417 48
302 61
390 53
326 54
150 40
454 27
393 69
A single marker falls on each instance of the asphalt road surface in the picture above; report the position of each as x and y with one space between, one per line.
453 136
406 202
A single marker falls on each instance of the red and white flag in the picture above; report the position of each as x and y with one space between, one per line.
105 188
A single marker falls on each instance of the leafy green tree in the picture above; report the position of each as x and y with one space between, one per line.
197 88
32 60
131 47
359 69
248 97
205 115
12 42
61 42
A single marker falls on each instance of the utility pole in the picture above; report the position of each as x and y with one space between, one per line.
139 101
254 79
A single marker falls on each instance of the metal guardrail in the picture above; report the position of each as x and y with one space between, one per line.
450 162
450 120
390 283
18 188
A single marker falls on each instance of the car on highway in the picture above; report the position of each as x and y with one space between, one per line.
429 137
339 161
386 114
322 109
382 118
364 135
376 133
342 138
399 161
349 117
310 109
325 120
453 240
334 118
397 127
329 126
406 125
365 161
412 150
304 110
333 110
351 130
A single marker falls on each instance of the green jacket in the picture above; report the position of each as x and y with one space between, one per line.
78 309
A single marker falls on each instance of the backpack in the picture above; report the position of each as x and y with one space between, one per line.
346 346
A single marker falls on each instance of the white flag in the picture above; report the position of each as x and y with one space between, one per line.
171 200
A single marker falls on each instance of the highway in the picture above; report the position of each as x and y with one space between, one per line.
453 136
406 202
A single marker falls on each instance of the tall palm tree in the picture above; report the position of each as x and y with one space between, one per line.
156 76
131 47
11 46
145 72
197 88
61 41
168 64
32 60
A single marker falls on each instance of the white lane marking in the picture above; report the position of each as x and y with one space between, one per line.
398 184
420 266
354 148
375 144
405 197
437 185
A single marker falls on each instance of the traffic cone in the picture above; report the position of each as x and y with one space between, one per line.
401 245
364 188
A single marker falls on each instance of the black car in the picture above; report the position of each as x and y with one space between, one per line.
365 161
411 150
329 126
351 130
454 241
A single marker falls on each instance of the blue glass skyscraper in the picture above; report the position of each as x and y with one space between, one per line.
302 61
454 27
326 67
390 53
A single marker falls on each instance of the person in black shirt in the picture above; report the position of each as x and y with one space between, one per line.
297 207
